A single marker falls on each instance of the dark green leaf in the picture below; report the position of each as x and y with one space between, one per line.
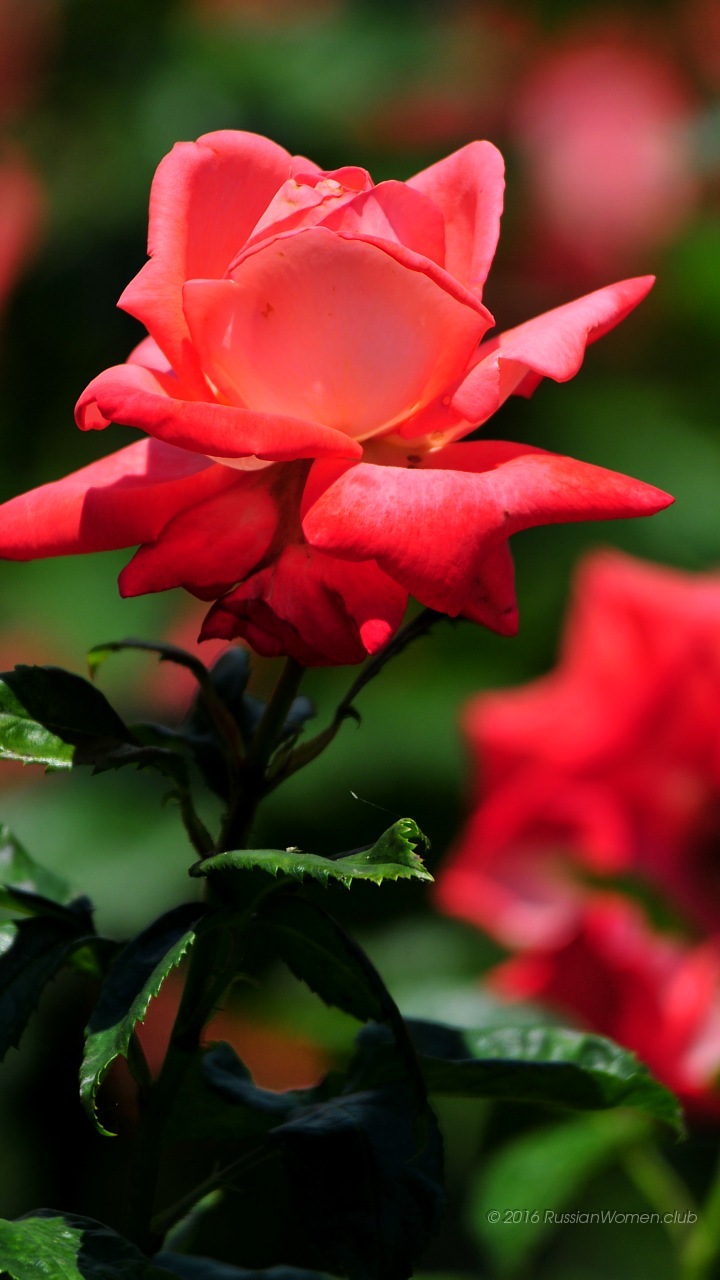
538 1174
392 857
19 871
542 1064
53 717
165 652
31 953
188 1268
320 954
377 1216
134 978
59 1246
218 1101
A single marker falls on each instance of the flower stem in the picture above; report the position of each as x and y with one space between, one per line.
700 1256
241 813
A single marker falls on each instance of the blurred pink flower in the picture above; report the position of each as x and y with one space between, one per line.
603 124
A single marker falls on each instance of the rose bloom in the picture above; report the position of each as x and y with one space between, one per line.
648 991
317 353
607 767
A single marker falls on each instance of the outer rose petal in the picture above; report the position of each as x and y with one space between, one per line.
319 610
210 547
467 187
140 397
549 346
430 528
206 198
330 330
119 501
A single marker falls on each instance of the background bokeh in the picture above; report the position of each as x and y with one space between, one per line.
609 119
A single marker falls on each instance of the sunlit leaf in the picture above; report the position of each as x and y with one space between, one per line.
134 978
392 857
60 1246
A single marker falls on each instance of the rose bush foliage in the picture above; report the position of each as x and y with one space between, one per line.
317 353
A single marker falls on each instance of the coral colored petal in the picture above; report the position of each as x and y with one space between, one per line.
330 330
206 198
138 397
210 547
467 188
393 211
119 501
318 610
549 346
431 527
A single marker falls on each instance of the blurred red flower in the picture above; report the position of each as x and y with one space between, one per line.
609 766
21 211
651 993
317 351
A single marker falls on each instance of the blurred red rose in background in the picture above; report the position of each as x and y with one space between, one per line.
317 349
608 766
652 993
21 211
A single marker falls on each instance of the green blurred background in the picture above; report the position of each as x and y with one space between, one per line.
91 97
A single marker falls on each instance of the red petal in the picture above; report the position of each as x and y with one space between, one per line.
206 198
393 211
312 607
331 330
138 397
431 528
467 187
549 346
119 501
211 546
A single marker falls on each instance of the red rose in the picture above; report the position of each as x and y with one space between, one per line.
651 993
607 767
318 346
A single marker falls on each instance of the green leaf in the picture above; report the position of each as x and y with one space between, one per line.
19 871
541 1064
188 1268
134 978
535 1176
52 717
31 953
48 1245
323 956
218 1101
392 857
165 652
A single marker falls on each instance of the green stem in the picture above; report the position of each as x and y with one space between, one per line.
662 1188
241 813
309 751
699 1259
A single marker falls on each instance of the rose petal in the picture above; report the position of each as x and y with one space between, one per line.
431 527
330 330
119 501
551 345
139 397
393 211
318 610
206 198
208 548
467 188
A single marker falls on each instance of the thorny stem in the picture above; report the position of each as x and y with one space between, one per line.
418 626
